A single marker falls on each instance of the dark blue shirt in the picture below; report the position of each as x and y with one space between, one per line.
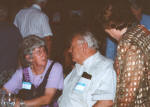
10 39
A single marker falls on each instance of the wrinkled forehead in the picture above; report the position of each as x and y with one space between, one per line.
76 38
33 48
38 48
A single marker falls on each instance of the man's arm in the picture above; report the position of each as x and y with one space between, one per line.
104 103
48 41
105 93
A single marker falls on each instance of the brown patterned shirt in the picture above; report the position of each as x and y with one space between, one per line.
133 68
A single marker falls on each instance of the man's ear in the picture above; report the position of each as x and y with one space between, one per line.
84 46
28 58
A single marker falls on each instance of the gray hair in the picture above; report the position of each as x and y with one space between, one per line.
89 38
30 43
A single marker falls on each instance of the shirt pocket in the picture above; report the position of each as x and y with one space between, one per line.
81 86
79 91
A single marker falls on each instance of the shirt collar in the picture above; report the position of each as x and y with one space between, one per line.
90 59
87 63
36 6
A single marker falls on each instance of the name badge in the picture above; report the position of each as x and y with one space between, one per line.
80 86
82 83
26 85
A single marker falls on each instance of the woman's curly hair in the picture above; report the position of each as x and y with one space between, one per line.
118 16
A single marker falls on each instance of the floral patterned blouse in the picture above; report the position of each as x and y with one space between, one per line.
133 68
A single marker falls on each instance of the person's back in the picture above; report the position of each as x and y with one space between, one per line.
28 21
32 21
134 49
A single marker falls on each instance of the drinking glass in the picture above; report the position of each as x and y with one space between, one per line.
2 98
10 100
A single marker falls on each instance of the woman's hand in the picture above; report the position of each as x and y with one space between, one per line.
17 103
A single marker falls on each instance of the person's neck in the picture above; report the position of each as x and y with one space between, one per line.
87 55
37 69
40 5
36 5
122 32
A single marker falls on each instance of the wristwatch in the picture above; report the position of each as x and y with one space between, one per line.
22 104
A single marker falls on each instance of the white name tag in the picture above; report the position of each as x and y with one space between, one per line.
26 85
82 83
80 86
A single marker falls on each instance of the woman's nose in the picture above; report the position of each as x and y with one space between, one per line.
70 50
43 53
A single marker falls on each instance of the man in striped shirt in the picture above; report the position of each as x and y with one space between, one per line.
33 21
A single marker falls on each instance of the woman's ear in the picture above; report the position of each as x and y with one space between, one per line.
28 58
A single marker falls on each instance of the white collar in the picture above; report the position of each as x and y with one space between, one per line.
90 59
36 6
88 62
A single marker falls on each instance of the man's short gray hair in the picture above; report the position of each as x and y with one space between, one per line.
89 38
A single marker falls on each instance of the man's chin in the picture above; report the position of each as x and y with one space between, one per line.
73 60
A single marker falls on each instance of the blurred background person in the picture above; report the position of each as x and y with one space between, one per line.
137 9
10 38
33 21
